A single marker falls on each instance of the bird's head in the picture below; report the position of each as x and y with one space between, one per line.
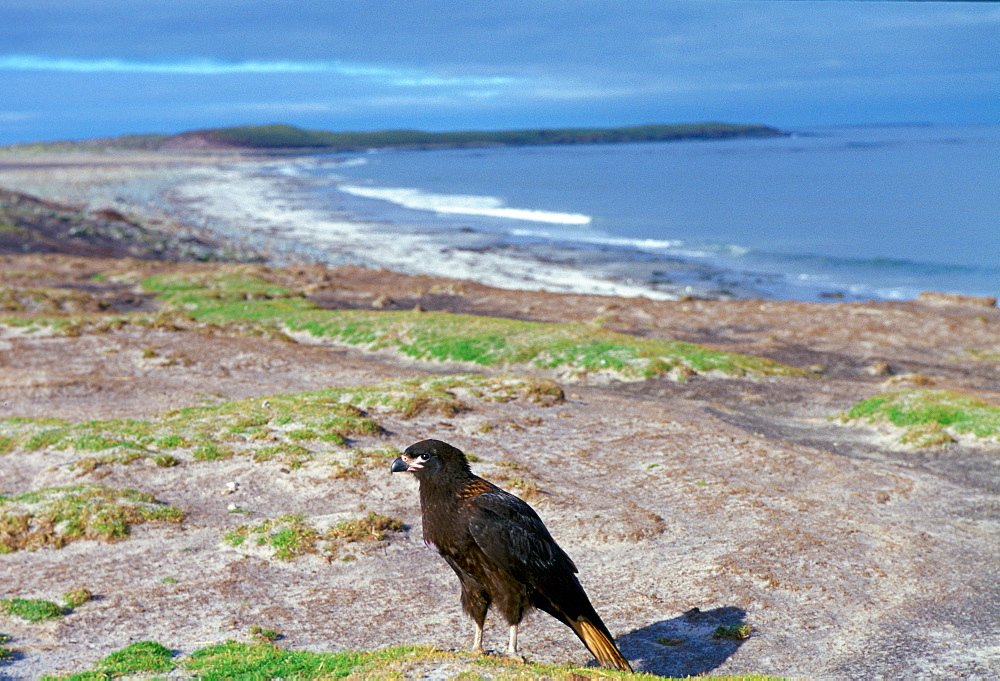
429 458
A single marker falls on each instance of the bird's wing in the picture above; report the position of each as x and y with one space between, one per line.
512 535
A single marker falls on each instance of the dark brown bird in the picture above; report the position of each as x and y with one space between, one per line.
500 550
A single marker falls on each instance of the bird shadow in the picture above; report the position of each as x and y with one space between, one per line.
688 645
6 658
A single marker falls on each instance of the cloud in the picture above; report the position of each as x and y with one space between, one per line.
385 75
8 117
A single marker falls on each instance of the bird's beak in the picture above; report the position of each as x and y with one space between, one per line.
401 465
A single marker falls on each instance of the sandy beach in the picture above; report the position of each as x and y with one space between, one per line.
241 201
689 499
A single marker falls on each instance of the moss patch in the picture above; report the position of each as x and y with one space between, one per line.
929 418
56 516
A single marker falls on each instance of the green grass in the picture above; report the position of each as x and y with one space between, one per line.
263 660
571 348
39 610
225 283
929 418
568 348
290 536
56 516
293 428
32 610
241 298
140 658
736 632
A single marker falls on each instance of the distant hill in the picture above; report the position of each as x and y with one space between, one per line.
286 137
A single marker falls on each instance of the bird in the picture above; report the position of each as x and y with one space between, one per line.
501 551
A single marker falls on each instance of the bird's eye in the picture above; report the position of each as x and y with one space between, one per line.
424 457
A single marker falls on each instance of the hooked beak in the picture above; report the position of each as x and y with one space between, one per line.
401 465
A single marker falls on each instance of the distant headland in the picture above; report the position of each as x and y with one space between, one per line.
279 137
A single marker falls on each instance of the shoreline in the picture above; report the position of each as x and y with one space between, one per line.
246 206
268 212
233 199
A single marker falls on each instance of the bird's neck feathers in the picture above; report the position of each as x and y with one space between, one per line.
446 484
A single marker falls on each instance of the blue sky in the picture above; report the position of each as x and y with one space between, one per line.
74 69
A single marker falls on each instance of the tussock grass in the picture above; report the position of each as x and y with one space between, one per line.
56 516
929 418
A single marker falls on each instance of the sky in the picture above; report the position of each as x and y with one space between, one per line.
72 69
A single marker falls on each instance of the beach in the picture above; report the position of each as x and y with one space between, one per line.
241 201
692 494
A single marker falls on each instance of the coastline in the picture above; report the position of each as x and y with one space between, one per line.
272 208
237 199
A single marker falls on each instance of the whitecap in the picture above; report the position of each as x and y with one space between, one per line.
461 204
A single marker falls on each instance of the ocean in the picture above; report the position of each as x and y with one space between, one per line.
851 213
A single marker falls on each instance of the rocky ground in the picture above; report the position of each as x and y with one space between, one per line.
687 504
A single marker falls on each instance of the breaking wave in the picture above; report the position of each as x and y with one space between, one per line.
462 204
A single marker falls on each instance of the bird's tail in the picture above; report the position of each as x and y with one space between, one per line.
601 646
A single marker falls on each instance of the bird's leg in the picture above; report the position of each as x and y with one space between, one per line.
512 641
477 639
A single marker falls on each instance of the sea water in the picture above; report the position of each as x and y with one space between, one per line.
821 214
